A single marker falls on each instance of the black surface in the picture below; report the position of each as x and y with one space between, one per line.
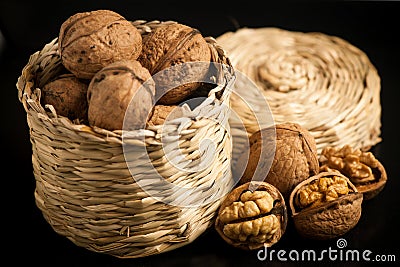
28 26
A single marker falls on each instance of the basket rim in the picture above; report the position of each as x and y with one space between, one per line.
29 94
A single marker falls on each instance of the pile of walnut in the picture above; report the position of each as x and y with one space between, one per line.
324 192
109 68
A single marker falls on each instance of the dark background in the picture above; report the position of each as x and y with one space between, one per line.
27 26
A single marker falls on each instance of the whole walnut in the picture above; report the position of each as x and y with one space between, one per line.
295 158
121 95
67 94
88 41
326 205
162 113
165 50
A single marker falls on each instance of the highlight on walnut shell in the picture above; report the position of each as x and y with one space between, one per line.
88 41
295 158
164 53
251 219
325 206
121 95
363 169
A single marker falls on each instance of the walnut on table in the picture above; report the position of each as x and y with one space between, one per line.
295 158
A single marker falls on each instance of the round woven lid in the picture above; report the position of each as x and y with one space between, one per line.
322 82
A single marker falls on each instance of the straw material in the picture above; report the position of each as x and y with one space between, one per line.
322 82
84 187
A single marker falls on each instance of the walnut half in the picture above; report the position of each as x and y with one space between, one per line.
362 168
252 219
324 206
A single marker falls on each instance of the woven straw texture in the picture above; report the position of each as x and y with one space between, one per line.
322 82
84 187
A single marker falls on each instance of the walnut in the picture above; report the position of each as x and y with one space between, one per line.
123 88
252 219
295 157
67 94
165 50
324 206
89 41
162 113
362 168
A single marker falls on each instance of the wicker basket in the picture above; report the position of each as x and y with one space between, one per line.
84 187
321 82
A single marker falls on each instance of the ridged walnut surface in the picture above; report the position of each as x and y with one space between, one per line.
121 95
88 41
173 45
282 155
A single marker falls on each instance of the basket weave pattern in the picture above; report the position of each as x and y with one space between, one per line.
83 185
322 82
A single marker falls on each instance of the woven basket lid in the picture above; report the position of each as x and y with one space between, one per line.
322 82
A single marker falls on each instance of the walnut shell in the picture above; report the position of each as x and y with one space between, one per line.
169 46
252 219
67 94
161 113
365 171
89 41
333 209
123 88
295 157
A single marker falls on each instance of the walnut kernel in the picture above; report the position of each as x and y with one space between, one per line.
251 219
322 190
